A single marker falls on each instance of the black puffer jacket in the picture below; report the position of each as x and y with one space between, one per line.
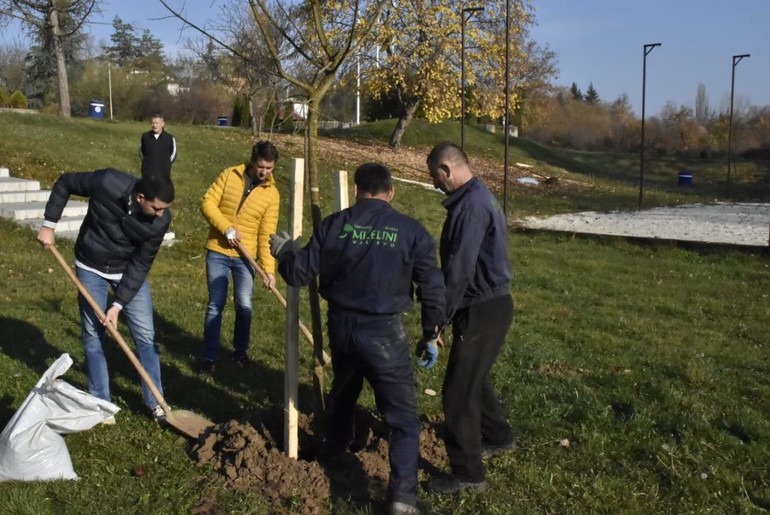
116 237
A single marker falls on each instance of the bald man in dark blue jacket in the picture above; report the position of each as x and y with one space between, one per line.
477 275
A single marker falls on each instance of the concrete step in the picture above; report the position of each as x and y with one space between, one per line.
15 184
24 196
4 172
27 210
66 224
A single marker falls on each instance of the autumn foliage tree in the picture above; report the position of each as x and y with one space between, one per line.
420 45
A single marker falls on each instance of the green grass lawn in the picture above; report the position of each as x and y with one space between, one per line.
650 359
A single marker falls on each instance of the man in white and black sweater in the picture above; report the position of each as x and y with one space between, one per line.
157 148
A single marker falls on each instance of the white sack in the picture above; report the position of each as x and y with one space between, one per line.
31 445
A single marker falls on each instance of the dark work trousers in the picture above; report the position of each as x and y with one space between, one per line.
472 410
376 348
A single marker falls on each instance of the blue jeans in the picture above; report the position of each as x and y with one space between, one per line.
138 314
219 268
376 348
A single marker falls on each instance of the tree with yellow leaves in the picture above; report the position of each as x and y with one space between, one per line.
419 58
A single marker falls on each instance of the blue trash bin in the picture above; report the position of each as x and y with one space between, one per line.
96 109
685 178
222 121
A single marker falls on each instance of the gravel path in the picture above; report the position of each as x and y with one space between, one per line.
721 223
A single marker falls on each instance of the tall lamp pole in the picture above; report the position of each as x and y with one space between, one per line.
647 49
736 60
507 124
463 19
109 84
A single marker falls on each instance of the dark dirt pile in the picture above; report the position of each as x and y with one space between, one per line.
247 454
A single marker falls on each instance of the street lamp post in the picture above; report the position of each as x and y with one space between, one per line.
109 84
507 122
647 49
463 19
736 60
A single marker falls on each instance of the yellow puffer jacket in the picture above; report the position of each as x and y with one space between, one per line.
256 219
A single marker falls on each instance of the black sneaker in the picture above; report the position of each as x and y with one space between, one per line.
451 485
207 367
489 450
240 359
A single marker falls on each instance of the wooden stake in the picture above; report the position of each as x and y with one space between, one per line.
291 347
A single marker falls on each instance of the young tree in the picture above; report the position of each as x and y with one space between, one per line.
56 21
320 37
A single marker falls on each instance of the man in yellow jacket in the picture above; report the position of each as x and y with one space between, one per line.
241 206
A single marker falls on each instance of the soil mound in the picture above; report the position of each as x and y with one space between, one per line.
248 455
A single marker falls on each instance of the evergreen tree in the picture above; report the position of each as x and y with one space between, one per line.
130 50
575 92
40 65
591 96
125 45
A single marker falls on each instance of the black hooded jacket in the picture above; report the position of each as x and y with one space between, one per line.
116 237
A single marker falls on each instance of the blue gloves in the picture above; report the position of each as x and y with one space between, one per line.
427 352
280 243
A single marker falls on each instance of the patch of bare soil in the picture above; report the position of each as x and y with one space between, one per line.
409 163
247 455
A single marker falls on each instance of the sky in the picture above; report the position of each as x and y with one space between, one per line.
596 41
601 42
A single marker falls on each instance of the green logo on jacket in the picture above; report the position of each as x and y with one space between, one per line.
365 235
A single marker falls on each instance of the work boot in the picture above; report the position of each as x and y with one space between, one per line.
451 485
402 508
489 450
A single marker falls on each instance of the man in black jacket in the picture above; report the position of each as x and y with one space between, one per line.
117 243
368 258
157 148
477 275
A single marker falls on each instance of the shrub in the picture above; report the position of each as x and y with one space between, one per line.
5 98
18 100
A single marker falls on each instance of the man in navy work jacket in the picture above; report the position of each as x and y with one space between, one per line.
157 148
477 275
369 256
118 241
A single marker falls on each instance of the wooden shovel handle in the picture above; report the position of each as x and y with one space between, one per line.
281 298
113 331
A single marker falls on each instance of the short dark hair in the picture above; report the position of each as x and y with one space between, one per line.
373 178
155 187
156 114
265 150
448 151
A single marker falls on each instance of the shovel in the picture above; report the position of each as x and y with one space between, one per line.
281 298
186 422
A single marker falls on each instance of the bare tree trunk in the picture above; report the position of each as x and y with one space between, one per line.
61 66
407 114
